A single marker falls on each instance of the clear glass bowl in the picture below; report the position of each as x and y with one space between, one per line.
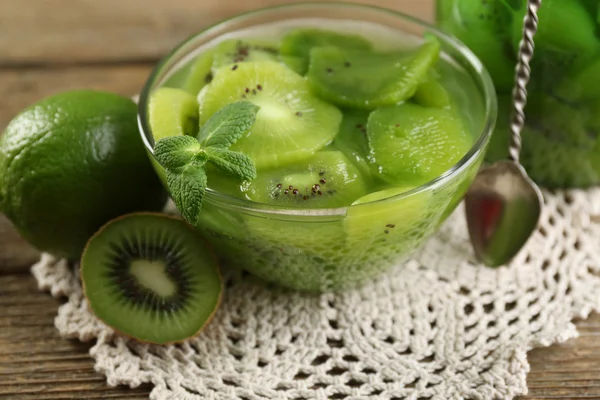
329 249
561 139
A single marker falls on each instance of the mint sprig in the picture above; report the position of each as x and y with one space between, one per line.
184 157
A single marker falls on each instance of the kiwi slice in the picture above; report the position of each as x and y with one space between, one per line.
296 64
363 79
199 73
291 125
412 144
431 93
372 221
172 112
299 42
326 180
352 139
235 51
149 276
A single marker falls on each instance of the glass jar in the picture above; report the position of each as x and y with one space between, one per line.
329 249
561 140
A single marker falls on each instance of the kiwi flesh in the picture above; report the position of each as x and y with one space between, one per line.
372 217
299 42
296 64
431 93
352 139
199 73
411 144
326 180
235 51
172 112
150 276
291 124
367 80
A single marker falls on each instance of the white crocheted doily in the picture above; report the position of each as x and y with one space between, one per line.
439 327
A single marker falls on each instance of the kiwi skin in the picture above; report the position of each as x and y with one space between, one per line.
209 249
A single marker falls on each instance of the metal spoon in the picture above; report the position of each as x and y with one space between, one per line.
503 204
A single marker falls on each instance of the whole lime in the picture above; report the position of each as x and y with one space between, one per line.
69 164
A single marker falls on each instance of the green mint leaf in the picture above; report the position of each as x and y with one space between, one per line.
187 186
228 124
176 152
234 163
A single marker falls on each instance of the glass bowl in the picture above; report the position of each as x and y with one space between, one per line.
331 249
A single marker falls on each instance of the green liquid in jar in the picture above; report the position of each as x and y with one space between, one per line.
561 139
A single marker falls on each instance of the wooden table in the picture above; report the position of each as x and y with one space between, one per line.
53 45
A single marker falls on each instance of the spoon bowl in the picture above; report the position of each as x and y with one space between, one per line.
502 209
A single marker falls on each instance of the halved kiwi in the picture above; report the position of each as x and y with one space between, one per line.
411 144
291 124
326 180
151 277
172 112
364 79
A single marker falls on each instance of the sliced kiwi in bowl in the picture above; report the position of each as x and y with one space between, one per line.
431 93
314 244
373 220
172 112
413 144
233 51
299 42
291 124
151 277
367 79
326 180
352 139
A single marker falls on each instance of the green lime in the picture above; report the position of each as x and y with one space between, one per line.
69 164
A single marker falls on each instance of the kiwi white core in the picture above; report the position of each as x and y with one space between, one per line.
270 110
152 276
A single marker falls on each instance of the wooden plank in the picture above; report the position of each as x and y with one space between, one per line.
70 31
41 365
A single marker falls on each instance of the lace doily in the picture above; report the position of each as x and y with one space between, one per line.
439 327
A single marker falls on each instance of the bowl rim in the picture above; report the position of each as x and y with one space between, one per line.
485 84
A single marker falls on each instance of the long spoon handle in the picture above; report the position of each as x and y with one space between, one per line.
523 71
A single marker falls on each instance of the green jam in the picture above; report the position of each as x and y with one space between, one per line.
561 140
